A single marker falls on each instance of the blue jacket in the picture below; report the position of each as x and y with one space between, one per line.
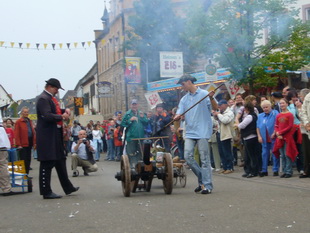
266 122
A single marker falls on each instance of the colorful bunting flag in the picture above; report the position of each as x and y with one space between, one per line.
20 45
27 45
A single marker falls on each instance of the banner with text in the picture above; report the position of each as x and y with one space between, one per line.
171 64
78 106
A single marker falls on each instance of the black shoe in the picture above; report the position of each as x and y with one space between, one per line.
265 173
85 173
245 175
287 176
206 191
283 175
198 189
30 168
251 176
74 190
261 174
303 176
52 196
276 174
75 174
11 193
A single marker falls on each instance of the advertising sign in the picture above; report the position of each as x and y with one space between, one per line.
171 64
153 99
132 70
233 89
211 73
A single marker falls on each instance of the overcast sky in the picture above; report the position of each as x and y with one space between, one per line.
23 71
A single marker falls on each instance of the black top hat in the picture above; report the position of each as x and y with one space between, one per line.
185 78
54 82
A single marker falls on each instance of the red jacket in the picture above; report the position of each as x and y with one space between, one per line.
21 133
285 127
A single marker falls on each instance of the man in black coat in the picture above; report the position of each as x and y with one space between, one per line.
50 145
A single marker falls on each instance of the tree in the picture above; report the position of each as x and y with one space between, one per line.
231 32
155 28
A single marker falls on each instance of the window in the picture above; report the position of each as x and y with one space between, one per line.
305 12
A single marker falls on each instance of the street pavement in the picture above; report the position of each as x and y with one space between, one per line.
236 205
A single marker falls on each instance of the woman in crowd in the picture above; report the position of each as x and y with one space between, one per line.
302 106
292 97
249 135
265 130
96 133
285 144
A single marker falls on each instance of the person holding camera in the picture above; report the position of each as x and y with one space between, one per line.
82 155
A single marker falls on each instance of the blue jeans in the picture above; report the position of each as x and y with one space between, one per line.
180 144
203 173
287 164
98 144
111 149
118 152
266 148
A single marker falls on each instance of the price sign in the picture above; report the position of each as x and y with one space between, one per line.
171 64
233 88
153 99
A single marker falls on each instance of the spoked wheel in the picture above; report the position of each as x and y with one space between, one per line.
168 176
126 175
182 176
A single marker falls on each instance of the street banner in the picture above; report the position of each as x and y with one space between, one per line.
132 70
153 99
233 89
78 106
105 89
171 64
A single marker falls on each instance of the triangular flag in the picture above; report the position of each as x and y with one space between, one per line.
45 46
68 45
102 41
75 44
20 45
83 43
89 43
60 45
53 45
38 45
12 44
28 45
1 43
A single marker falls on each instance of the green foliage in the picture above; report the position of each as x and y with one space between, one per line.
231 32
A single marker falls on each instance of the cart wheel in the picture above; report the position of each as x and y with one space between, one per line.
182 176
126 175
29 184
148 183
168 178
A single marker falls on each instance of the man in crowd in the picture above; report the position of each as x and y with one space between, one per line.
82 155
134 121
198 130
160 119
75 129
25 137
226 120
50 145
5 184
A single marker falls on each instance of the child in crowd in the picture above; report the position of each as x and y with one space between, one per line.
118 143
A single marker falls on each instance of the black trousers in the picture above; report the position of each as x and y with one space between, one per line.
46 172
25 154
